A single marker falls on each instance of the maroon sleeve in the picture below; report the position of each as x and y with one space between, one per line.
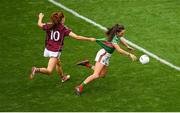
46 27
67 31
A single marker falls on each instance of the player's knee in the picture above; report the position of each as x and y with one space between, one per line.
58 64
95 75
49 72
103 75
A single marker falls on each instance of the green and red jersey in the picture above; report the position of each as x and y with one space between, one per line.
108 45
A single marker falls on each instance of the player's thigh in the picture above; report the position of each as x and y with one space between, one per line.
104 71
98 68
52 63
58 63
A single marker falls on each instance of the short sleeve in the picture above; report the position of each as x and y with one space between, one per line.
46 27
67 31
115 40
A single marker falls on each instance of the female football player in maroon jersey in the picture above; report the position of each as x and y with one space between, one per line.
55 34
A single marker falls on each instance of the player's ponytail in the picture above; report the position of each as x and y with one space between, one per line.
113 31
56 18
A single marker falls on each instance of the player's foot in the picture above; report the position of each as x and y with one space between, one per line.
33 72
78 90
65 78
84 63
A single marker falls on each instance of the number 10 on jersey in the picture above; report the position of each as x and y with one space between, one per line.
55 35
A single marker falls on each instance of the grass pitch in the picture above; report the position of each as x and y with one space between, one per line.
128 86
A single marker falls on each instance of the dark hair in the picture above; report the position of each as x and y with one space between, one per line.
113 31
56 18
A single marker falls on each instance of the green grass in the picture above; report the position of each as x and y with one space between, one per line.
152 24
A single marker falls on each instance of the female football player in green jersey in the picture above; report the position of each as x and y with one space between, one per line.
103 55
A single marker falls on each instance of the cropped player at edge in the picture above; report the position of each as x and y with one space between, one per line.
103 56
55 34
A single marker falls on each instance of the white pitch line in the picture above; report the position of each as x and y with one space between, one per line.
105 29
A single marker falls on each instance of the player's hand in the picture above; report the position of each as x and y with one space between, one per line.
41 15
130 48
133 57
93 39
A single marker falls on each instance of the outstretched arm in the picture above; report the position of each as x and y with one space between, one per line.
121 51
125 44
77 37
40 23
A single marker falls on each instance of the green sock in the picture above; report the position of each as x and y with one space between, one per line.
83 84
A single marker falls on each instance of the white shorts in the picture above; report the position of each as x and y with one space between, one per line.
103 57
48 53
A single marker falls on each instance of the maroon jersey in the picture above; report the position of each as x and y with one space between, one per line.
55 37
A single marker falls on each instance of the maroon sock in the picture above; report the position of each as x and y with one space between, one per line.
88 65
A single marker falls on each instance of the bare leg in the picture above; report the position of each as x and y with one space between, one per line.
103 71
59 69
51 64
60 72
98 68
